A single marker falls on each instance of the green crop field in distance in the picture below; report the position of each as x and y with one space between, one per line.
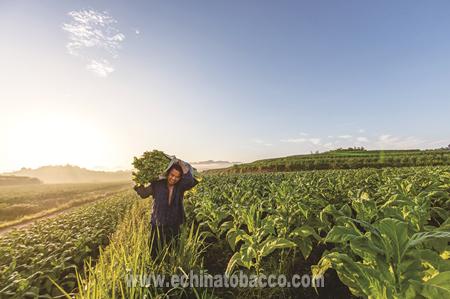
344 159
21 203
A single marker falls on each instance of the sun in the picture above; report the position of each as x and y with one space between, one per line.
56 139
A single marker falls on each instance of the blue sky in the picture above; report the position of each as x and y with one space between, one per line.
220 80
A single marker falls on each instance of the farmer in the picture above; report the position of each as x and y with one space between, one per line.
168 212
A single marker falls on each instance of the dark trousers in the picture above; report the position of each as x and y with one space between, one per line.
161 236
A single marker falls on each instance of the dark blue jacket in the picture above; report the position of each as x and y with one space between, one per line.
163 213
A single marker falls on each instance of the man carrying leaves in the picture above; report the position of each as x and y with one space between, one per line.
168 211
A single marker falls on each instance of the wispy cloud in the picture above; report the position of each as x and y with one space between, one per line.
379 141
314 141
387 141
294 140
102 68
362 139
345 136
94 38
386 138
260 141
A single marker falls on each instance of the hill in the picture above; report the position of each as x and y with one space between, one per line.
212 164
344 159
71 174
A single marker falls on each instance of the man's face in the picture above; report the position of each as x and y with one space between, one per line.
173 177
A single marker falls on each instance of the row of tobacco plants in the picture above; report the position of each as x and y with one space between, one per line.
55 248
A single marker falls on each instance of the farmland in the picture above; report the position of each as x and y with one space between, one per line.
21 203
350 221
345 159
18 180
53 248
371 233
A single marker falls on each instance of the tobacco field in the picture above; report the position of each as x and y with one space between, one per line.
370 233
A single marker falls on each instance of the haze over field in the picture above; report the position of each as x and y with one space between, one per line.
94 84
71 174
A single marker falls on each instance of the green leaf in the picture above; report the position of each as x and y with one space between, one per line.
395 236
346 210
361 279
421 237
251 252
305 231
438 286
272 244
364 247
226 226
235 259
342 234
305 246
234 236
247 254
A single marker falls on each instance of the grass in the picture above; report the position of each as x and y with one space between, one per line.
129 252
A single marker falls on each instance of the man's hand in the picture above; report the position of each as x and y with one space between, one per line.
143 191
139 189
183 166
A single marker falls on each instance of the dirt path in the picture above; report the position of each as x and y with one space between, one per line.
26 223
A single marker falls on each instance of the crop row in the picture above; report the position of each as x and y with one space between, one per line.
55 247
385 231
344 160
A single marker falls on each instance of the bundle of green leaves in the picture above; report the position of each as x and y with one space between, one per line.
149 166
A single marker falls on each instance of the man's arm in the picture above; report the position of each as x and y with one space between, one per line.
143 191
184 166
187 180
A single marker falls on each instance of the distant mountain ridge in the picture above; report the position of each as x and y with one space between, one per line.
54 174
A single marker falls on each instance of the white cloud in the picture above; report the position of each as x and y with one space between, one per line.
101 68
387 141
303 134
93 37
362 139
314 140
260 141
137 31
387 138
294 140
382 141
361 131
